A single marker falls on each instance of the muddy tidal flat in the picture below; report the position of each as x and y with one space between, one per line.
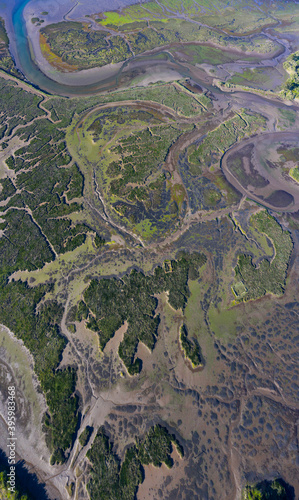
149 242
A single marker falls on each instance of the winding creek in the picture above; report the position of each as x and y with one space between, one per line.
105 80
279 191
39 73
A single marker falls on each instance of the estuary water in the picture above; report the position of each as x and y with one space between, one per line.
88 82
22 52
28 57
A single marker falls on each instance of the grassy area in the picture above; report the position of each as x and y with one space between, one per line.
172 95
175 29
249 77
200 54
224 322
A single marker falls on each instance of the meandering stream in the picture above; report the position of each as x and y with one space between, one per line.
91 81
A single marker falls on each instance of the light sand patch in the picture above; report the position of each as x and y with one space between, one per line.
20 364
14 144
85 336
145 354
156 75
84 77
118 337
155 478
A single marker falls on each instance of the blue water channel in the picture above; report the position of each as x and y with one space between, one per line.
21 53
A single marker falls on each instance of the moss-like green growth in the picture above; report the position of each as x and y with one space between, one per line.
267 277
112 479
127 148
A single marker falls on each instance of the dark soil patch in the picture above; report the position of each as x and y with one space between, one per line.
280 198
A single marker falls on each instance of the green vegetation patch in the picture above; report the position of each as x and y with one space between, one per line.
251 77
173 95
287 117
239 289
108 303
38 202
266 277
291 86
83 48
3 34
180 22
85 435
269 490
112 479
220 139
6 62
190 347
294 173
137 29
9 493
200 54
127 148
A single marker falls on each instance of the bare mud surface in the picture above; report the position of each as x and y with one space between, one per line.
237 418
245 167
